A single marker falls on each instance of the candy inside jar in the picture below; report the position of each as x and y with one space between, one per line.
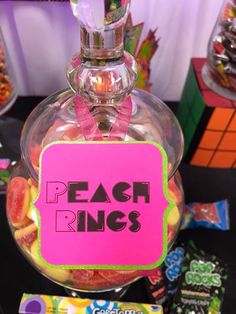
62 125
24 222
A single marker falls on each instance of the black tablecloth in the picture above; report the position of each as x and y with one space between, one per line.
200 184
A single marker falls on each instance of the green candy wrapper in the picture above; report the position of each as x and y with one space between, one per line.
202 284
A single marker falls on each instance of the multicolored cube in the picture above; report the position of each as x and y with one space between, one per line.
208 121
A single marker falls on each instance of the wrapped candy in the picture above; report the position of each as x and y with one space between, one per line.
207 215
189 281
156 288
163 286
202 284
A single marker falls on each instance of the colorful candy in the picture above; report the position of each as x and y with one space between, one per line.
156 288
35 254
24 219
41 304
18 201
189 281
96 282
118 276
207 215
31 213
163 287
27 235
60 275
202 284
174 216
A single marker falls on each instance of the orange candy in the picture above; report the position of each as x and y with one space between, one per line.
18 201
27 235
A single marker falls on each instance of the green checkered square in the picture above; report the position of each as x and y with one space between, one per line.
198 107
189 131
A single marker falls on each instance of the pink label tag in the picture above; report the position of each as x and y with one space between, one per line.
103 205
4 163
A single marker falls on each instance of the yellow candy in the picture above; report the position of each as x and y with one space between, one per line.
33 192
221 70
60 275
35 255
174 216
173 196
31 214
23 233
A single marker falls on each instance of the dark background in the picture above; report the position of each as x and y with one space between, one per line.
200 184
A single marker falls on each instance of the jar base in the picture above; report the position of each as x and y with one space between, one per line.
220 90
111 295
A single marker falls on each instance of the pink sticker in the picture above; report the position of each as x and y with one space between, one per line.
4 163
102 205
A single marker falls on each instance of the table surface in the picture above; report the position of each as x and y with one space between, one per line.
200 184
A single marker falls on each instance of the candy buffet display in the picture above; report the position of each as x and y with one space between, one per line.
98 107
220 72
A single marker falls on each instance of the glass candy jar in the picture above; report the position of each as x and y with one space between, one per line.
99 106
219 73
8 92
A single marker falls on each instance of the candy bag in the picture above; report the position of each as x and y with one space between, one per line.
172 268
202 284
163 286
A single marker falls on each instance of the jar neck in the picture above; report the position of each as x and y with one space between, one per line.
105 44
102 81
104 74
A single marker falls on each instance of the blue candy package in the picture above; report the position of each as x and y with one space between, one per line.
207 215
163 286
172 268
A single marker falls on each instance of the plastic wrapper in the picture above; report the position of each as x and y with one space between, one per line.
207 215
162 287
202 284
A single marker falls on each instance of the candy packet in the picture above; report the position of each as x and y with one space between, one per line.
162 287
48 304
207 215
156 288
172 268
202 284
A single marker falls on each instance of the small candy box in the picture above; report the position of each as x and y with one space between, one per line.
45 304
98 175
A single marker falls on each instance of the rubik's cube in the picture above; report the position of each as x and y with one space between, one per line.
208 121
